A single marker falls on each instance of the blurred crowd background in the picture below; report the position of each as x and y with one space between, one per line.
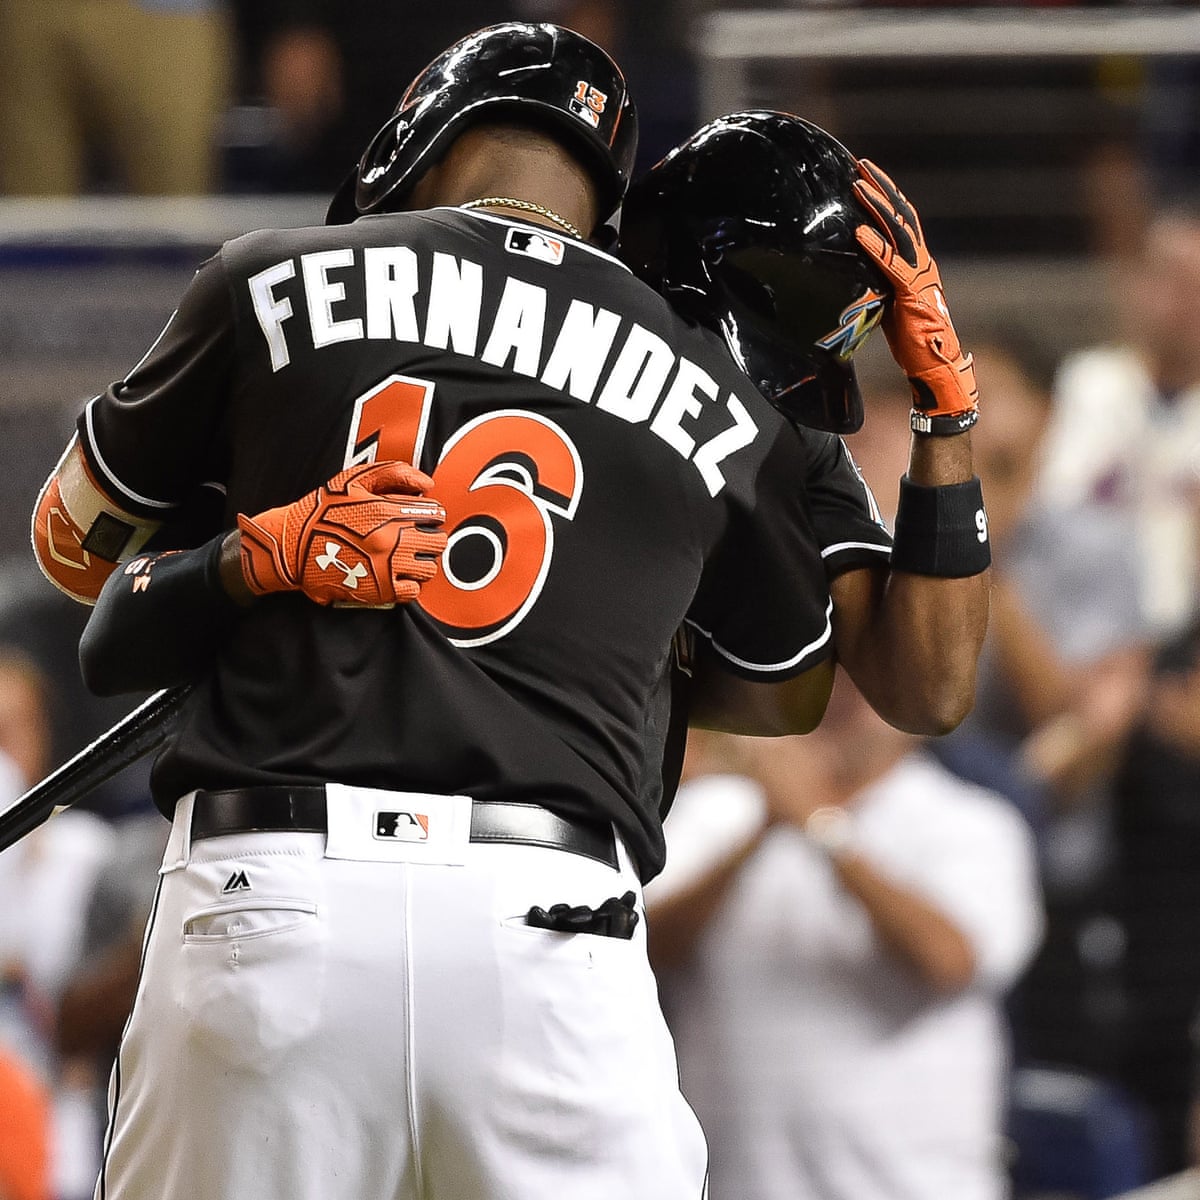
895 970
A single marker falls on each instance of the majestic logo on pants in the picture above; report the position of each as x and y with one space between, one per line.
330 559
402 826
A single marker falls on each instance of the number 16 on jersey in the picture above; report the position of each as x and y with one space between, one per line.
501 477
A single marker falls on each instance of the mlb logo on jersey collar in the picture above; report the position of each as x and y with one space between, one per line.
532 244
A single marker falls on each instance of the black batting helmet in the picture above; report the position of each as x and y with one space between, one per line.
748 228
543 74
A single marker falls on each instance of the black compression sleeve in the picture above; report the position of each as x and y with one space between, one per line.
158 622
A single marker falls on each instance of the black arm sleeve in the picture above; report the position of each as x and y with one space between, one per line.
158 622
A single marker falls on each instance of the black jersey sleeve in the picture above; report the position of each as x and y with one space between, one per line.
849 528
149 438
763 601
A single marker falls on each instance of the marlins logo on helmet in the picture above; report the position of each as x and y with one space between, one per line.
856 321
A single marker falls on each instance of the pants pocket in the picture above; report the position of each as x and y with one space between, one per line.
253 977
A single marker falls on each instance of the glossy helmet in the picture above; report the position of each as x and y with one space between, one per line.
543 74
748 228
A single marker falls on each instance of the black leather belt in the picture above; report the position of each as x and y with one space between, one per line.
301 809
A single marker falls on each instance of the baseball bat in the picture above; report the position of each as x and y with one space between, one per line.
134 735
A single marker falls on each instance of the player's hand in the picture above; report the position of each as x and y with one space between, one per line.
368 538
917 324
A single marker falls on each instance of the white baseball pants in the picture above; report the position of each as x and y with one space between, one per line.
331 1017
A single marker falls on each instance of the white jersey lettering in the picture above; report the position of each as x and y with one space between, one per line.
580 350
272 313
712 453
321 294
390 274
635 387
518 328
455 295
681 400
637 377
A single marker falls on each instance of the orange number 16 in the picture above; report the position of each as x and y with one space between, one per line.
501 477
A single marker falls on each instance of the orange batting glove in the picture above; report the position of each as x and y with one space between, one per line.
368 538
917 324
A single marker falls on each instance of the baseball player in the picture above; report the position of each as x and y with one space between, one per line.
324 549
765 229
767 200
396 949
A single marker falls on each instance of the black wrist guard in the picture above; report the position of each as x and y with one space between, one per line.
941 530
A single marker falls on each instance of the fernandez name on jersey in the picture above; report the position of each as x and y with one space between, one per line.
435 299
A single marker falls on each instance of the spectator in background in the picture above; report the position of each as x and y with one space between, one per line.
1061 672
45 880
142 84
74 895
1061 679
24 1133
835 930
327 70
25 733
97 993
1157 793
1126 429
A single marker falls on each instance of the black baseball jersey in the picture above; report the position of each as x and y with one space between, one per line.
606 470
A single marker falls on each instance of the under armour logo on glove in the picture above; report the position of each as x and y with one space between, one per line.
330 559
368 538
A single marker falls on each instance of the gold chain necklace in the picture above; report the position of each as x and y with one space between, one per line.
524 206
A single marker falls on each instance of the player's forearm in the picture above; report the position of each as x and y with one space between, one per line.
937 461
911 644
910 640
74 511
